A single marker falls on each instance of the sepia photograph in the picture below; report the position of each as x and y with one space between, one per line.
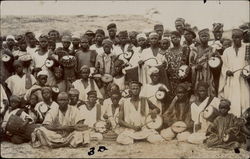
125 79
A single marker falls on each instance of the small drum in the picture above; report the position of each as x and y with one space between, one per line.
100 126
159 95
154 123
179 127
246 72
106 78
15 124
49 63
5 58
183 71
210 113
43 108
55 89
214 62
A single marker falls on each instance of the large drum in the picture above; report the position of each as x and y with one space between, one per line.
69 62
210 113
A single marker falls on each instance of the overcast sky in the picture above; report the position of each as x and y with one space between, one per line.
231 13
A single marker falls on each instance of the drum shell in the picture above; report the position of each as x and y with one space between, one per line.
212 116
168 134
15 124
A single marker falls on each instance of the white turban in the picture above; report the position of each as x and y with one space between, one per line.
153 70
10 37
153 34
141 35
43 72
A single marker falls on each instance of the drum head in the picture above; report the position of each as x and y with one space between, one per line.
246 71
159 95
179 127
100 126
55 89
208 112
225 137
154 123
43 108
214 62
107 78
49 63
6 58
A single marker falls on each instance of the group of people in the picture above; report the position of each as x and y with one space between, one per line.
126 86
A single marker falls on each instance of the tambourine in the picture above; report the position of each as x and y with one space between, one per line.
214 62
210 113
246 72
179 127
125 93
183 71
5 58
100 126
43 108
159 95
68 61
106 78
49 63
153 123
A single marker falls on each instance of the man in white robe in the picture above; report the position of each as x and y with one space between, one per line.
233 86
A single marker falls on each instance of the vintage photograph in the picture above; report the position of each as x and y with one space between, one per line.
125 79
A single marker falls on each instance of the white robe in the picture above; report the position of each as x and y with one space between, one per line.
235 88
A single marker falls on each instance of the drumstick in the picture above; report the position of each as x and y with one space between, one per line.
241 69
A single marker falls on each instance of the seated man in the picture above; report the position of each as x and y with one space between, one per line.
224 132
91 111
132 117
62 126
14 108
198 106
74 98
178 115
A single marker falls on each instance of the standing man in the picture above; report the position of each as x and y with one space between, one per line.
232 85
112 33
180 26
158 28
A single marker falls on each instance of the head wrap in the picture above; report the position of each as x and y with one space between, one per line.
43 36
204 31
92 92
89 32
84 67
74 91
153 34
226 102
100 31
141 35
43 72
53 31
10 37
176 33
202 84
217 27
15 98
111 26
237 32
153 70
132 34
25 57
107 42
83 38
158 26
186 86
17 63
115 92
135 82
31 33
66 38
166 38
180 20
190 31
46 88
123 33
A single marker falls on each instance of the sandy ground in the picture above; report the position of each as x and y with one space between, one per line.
170 149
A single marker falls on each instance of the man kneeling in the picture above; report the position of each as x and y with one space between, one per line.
62 126
132 116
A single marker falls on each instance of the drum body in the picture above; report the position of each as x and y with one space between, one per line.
69 63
